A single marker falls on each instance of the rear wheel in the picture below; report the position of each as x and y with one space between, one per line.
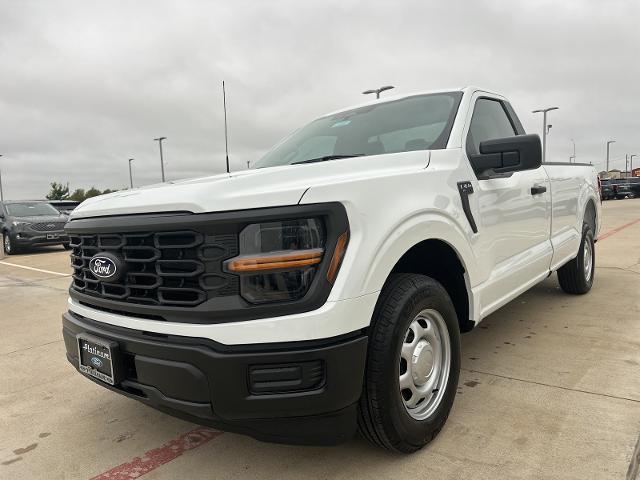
413 364
576 277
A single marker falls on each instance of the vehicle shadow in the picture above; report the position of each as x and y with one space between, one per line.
33 251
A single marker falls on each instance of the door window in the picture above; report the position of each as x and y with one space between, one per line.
489 121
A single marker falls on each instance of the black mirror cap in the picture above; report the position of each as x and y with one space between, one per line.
509 154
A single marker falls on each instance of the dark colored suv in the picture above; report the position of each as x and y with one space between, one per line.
64 206
634 186
27 223
621 188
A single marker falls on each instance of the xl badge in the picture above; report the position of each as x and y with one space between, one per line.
106 267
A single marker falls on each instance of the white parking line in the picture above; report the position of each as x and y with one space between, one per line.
35 269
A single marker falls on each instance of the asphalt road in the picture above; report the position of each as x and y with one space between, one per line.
550 388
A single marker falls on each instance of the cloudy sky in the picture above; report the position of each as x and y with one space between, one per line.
85 85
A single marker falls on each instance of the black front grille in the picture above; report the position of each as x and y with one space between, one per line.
179 269
47 226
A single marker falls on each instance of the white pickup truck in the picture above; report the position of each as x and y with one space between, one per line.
324 290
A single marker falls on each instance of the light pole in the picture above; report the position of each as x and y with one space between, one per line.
130 173
631 163
159 140
1 192
574 151
626 163
378 91
609 142
544 129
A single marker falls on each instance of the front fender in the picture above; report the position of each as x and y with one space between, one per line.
427 225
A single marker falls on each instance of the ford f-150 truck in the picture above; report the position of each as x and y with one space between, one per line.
324 290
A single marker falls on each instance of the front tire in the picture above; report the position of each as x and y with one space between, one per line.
8 245
576 277
413 364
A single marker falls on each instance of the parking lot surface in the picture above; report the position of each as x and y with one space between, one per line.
550 388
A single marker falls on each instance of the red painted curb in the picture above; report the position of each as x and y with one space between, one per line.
159 456
616 230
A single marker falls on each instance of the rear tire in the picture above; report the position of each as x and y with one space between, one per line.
576 277
404 405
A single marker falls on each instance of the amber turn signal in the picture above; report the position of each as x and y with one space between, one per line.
338 254
275 261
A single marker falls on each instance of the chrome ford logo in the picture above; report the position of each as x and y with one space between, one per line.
106 267
96 362
103 267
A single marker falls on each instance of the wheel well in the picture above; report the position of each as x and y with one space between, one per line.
590 215
438 260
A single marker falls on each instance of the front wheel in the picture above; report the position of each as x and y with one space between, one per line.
413 364
576 277
8 244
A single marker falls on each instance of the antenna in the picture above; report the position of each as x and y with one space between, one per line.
226 140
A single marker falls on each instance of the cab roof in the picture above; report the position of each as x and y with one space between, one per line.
390 98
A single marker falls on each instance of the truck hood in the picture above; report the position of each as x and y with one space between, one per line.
258 188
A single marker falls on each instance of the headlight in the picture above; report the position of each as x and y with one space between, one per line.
279 260
20 224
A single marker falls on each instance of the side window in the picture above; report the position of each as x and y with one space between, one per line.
489 121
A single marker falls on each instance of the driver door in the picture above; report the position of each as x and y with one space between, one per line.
512 244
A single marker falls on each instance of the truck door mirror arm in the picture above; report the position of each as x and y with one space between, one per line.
502 156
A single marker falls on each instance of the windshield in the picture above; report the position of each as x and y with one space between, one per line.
30 209
421 122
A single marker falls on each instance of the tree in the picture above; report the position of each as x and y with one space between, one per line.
58 191
92 192
78 195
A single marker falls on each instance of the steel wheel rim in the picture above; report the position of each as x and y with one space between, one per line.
424 364
588 260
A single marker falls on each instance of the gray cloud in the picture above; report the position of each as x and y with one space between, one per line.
84 85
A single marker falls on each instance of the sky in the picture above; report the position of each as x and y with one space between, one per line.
86 85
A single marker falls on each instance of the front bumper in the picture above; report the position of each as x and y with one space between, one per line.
29 239
294 392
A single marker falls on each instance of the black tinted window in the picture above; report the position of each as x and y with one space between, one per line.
489 121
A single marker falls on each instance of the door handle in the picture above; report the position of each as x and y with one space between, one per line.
538 189
465 189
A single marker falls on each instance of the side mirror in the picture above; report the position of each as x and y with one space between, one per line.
506 155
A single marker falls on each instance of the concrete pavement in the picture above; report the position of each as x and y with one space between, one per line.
550 389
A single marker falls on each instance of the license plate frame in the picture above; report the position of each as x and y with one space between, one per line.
98 358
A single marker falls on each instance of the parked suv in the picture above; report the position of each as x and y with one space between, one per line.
621 188
64 206
634 186
606 190
28 223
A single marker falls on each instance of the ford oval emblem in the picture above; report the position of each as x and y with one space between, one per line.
103 267
96 362
106 267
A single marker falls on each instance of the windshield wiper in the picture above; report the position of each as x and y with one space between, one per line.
328 157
